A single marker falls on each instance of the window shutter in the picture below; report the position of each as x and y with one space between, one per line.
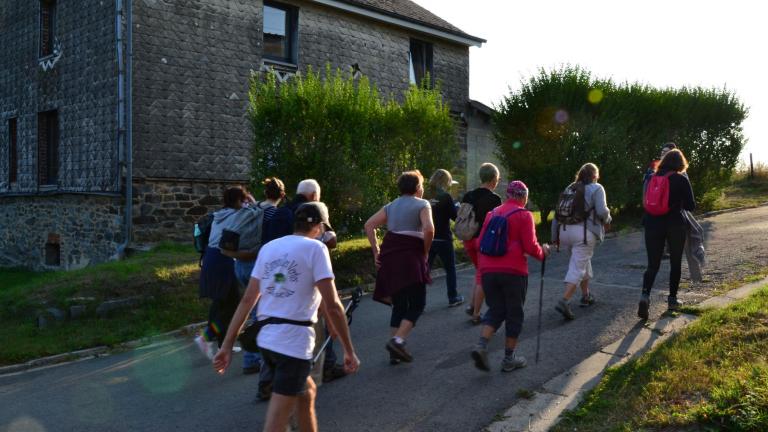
42 149
46 27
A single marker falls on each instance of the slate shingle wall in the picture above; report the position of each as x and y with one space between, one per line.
192 61
81 85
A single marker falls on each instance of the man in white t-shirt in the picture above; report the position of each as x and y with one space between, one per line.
292 275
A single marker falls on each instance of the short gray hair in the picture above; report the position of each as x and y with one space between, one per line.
308 186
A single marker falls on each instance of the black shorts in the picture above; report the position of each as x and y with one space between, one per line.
290 373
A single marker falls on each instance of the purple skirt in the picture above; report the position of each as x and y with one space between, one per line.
403 265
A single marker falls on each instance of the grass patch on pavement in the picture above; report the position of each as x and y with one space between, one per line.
711 376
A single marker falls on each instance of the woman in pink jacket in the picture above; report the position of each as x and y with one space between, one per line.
505 277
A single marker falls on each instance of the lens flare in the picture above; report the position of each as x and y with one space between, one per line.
517 145
561 117
595 96
164 370
26 424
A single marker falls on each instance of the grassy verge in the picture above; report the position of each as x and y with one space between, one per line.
743 191
164 279
711 376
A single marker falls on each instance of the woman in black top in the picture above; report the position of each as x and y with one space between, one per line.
668 228
443 212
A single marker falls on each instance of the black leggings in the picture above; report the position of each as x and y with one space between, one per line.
408 304
655 238
220 314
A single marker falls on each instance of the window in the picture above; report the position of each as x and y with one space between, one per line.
280 32
47 26
48 147
420 62
13 151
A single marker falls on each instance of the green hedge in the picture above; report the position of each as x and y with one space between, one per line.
338 130
563 118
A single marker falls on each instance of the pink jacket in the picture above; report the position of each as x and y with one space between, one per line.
521 241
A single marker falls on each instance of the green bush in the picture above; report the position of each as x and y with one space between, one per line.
338 130
562 118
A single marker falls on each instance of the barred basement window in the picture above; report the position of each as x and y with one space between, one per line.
420 62
48 147
47 26
13 156
280 32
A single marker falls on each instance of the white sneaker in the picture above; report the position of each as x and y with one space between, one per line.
205 347
236 349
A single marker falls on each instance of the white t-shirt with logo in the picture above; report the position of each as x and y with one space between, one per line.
288 269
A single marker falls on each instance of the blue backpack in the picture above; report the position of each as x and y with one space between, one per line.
494 239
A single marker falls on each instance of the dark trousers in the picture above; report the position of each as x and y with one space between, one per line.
444 250
655 239
220 315
408 304
505 296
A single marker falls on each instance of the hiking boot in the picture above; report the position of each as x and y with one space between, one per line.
334 372
250 370
393 359
458 301
673 304
265 391
565 308
511 363
642 307
476 320
480 356
399 351
587 300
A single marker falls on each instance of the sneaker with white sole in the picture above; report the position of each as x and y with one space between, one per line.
587 300
511 363
205 347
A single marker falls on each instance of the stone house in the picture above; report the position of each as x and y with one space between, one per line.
70 159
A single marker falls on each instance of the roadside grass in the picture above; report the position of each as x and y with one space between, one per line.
164 280
743 191
711 376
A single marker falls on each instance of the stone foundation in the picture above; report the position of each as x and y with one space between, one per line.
168 209
66 231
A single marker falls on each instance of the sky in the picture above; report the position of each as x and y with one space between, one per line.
670 43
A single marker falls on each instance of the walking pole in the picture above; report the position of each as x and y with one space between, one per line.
541 305
351 306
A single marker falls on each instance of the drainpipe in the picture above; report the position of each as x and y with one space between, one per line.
125 114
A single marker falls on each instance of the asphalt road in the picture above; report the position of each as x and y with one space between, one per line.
170 386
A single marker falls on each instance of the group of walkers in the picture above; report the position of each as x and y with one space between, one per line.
289 282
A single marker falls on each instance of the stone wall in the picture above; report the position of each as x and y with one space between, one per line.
79 80
85 229
481 148
167 209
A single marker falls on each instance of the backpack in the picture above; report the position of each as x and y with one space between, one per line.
571 206
656 201
494 239
202 232
244 230
466 225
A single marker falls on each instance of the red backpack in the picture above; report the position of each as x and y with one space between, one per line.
656 200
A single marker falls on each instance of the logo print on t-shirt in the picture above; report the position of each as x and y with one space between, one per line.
278 288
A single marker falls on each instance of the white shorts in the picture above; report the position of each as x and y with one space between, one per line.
580 264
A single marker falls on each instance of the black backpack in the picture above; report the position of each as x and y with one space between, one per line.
202 233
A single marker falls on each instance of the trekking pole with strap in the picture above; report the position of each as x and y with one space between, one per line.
541 305
351 306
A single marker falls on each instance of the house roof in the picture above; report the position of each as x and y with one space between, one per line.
404 12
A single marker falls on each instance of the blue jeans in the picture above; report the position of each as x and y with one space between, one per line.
243 274
444 249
